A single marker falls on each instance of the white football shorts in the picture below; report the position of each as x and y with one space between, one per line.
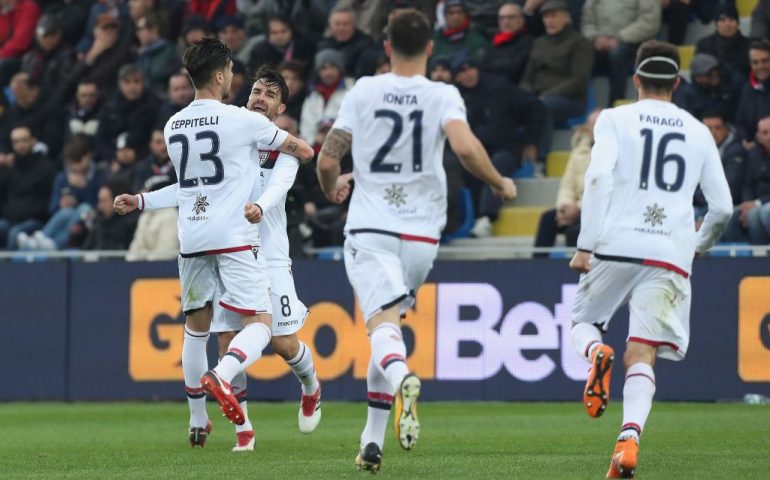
658 302
386 270
241 277
289 312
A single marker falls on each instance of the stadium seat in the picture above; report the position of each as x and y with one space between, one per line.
686 52
745 7
623 101
731 253
469 217
527 170
518 221
556 163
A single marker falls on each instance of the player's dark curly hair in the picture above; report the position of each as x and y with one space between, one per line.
653 49
205 57
270 76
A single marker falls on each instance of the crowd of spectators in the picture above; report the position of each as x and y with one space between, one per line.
86 87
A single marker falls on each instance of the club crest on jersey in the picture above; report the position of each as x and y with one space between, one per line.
654 215
395 196
200 204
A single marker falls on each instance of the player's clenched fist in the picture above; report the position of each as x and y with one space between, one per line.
252 212
125 203
581 262
506 190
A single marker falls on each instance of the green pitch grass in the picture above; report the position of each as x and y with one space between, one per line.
458 440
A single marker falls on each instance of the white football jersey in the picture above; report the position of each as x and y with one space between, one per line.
277 173
398 148
210 145
647 160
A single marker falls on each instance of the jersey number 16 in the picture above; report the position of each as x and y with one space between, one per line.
661 159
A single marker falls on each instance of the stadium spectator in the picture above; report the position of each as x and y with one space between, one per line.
232 32
751 219
565 218
124 168
72 15
33 109
17 29
559 65
85 110
157 56
131 110
713 87
210 10
484 14
101 61
727 43
439 69
155 237
26 178
615 29
510 47
533 18
326 96
373 58
755 96
734 159
74 193
496 120
293 73
117 10
193 29
458 35
156 163
344 37
51 59
760 21
282 44
180 94
106 230
306 16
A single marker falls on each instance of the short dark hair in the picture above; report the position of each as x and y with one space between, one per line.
409 33
155 21
654 48
713 113
293 66
270 76
279 18
203 58
77 147
760 45
130 70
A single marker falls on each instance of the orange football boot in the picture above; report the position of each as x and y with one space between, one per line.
596 395
623 464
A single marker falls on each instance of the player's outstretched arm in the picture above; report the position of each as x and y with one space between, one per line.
162 198
475 159
336 146
298 148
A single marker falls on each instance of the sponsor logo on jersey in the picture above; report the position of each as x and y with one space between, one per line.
654 215
200 204
395 196
754 329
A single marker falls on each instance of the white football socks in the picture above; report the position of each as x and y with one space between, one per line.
637 399
380 401
389 354
585 338
239 390
245 349
194 365
302 366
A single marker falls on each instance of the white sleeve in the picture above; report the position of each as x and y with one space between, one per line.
281 180
163 198
717 192
346 117
453 106
263 131
598 182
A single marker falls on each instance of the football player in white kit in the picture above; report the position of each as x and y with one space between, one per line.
638 239
210 145
278 172
397 124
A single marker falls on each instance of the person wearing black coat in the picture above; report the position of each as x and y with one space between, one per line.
510 46
727 44
25 188
754 103
345 38
107 230
281 44
713 88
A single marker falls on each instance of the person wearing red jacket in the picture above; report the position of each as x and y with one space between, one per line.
17 29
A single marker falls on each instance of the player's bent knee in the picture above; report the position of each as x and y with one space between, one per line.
287 346
199 319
